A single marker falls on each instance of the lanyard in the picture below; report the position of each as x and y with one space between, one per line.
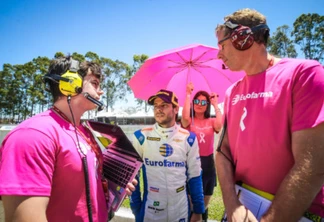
94 147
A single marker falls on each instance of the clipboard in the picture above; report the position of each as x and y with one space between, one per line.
257 204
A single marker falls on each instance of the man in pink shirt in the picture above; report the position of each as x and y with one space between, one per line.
275 124
46 161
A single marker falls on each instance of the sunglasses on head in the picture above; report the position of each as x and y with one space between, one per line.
202 102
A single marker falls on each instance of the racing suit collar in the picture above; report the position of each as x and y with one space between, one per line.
165 132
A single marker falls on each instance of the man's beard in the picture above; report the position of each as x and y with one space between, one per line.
167 119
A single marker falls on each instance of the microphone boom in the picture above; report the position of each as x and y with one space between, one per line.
100 105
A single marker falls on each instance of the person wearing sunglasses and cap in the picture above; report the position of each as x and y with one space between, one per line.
171 166
200 122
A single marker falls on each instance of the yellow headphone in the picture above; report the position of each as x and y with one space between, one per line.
70 83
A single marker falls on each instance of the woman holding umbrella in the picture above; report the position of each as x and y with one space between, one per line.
200 122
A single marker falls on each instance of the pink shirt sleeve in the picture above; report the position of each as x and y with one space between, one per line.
308 96
29 163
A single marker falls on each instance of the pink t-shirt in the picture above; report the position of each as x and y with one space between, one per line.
263 111
203 128
39 158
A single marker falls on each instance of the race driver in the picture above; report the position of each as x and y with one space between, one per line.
171 165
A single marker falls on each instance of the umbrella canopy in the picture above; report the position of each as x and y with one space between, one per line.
173 69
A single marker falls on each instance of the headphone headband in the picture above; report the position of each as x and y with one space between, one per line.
231 25
234 26
75 66
261 26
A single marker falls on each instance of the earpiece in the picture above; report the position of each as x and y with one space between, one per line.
242 36
70 83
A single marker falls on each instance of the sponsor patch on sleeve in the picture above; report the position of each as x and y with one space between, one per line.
140 137
191 138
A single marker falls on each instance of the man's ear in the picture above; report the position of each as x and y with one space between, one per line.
176 109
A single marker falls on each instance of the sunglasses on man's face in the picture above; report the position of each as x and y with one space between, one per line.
202 102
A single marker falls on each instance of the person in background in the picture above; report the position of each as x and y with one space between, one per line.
204 127
171 161
43 161
274 121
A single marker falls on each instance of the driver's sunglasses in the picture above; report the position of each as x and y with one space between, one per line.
202 102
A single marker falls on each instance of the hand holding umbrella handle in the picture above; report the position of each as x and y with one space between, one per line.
214 99
213 96
190 88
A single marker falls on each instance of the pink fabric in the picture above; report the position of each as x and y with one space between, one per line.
39 158
173 69
203 128
262 113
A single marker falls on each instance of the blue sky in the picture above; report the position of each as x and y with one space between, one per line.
121 29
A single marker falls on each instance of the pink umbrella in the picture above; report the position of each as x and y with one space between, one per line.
173 69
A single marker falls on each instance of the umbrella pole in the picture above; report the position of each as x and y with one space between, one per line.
192 114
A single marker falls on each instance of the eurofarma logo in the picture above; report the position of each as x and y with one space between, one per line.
166 151
252 95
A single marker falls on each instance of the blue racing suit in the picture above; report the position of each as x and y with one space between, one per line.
171 165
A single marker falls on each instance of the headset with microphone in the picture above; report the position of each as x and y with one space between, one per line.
70 83
242 36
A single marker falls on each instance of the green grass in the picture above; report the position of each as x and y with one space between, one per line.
215 209
216 206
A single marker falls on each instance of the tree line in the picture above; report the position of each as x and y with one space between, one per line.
22 91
